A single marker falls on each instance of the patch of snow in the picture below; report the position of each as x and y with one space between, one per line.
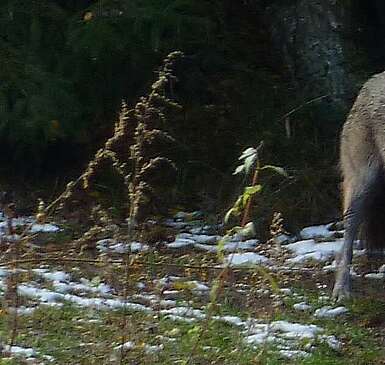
20 351
181 243
321 231
102 245
204 238
333 267
49 296
148 349
197 230
329 312
295 330
244 259
45 228
22 310
197 286
110 245
43 295
303 306
174 317
292 354
286 291
141 285
207 248
233 320
282 239
259 339
129 345
245 245
330 268
119 247
375 275
309 249
185 312
59 276
177 225
332 342
51 304
87 286
153 349
11 237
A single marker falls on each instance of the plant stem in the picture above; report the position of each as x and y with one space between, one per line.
246 214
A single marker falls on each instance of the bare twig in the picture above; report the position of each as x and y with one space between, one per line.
311 101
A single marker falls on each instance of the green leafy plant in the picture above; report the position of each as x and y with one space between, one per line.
251 166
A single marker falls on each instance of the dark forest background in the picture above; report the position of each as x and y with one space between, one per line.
66 65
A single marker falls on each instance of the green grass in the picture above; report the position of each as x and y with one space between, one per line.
74 335
67 334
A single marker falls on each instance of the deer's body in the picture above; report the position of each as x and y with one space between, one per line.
362 159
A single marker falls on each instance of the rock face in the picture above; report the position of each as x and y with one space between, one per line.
315 40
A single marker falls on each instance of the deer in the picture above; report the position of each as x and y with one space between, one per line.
362 165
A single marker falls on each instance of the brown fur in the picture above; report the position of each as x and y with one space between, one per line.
362 159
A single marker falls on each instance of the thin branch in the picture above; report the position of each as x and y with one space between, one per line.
311 101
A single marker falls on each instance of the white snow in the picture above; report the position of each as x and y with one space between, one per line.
177 225
309 249
287 336
110 245
229 246
295 330
26 221
197 286
84 286
153 349
259 339
303 306
199 238
43 295
148 349
292 354
233 320
138 247
46 228
22 310
20 351
321 231
208 248
329 312
185 312
59 276
245 259
281 239
174 317
286 291
102 245
181 243
129 345
375 275
332 342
